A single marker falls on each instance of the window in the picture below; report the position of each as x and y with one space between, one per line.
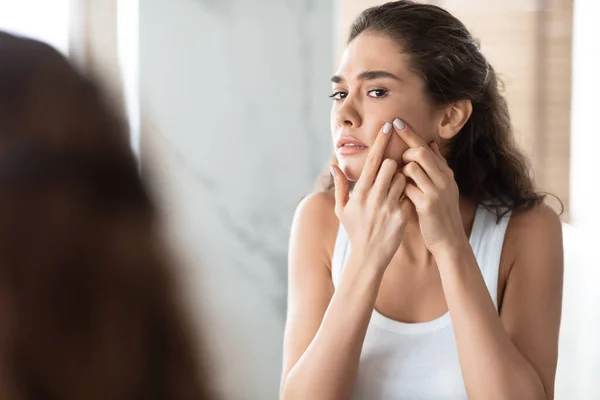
44 20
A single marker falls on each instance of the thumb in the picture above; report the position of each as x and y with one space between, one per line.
341 188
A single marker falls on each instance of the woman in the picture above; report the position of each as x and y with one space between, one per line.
440 276
89 308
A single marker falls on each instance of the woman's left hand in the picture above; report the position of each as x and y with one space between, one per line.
433 191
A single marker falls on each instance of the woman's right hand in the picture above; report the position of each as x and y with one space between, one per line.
374 217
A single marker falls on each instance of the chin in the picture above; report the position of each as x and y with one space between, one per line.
352 172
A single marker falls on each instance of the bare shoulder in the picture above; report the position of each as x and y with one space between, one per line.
539 225
310 285
317 205
531 305
535 234
315 225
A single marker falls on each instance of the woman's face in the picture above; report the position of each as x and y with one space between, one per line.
372 86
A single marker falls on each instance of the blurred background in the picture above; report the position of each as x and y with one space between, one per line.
228 109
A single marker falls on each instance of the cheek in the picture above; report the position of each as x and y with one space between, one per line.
423 123
415 110
395 149
333 127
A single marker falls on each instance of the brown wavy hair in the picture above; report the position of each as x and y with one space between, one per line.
89 303
488 166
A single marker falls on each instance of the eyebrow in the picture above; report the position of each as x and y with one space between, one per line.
367 76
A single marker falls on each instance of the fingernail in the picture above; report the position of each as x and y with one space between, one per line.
387 128
399 124
332 170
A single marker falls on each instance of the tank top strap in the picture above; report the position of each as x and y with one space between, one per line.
339 255
487 240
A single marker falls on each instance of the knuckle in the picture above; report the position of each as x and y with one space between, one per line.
429 204
371 211
388 163
388 209
426 205
375 160
399 216
359 195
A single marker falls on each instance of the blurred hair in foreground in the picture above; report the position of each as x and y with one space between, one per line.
89 304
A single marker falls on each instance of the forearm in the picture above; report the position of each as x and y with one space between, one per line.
492 366
328 367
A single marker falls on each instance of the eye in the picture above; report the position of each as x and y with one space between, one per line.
376 93
338 95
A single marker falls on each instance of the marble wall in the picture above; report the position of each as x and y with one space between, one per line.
234 132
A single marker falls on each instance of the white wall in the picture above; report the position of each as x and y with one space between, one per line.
579 349
235 130
585 130
579 357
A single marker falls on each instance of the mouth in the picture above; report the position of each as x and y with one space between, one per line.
348 145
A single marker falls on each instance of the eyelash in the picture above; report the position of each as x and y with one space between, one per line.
335 95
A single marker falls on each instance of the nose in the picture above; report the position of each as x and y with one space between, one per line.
347 115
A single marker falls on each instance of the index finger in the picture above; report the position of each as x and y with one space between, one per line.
374 158
407 134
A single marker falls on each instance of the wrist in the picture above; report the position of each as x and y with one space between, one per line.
451 252
369 268
359 284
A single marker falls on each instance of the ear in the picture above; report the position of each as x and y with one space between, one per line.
455 117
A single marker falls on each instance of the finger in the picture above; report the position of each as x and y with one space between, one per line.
415 195
342 188
433 146
422 155
397 187
374 159
407 207
443 163
427 160
407 134
388 168
413 171
436 150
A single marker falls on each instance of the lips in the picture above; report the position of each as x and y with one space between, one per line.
349 145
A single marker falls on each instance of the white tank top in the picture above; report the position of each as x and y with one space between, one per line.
420 360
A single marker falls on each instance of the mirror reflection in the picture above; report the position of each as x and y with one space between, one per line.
299 199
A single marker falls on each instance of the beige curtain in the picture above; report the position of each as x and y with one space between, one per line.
104 42
94 43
